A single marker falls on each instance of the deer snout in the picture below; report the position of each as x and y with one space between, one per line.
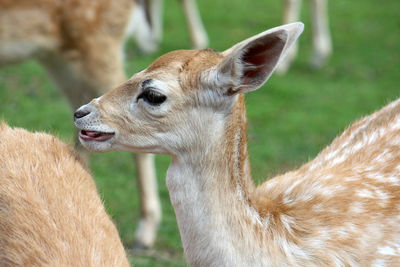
81 112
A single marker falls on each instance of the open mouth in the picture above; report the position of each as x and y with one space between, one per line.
95 136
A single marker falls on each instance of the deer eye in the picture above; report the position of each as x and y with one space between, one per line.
152 97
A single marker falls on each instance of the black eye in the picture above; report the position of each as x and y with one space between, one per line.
152 97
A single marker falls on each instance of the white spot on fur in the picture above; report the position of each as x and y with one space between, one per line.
387 251
338 160
395 142
267 221
357 207
327 177
379 263
352 179
317 208
396 125
369 168
306 197
287 222
294 185
384 156
341 232
270 184
287 200
324 235
327 192
331 155
291 250
378 176
382 196
357 146
331 190
365 193
254 216
350 227
372 137
394 180
314 165
364 124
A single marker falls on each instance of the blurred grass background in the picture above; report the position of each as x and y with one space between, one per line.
290 119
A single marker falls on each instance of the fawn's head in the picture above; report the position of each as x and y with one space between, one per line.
183 97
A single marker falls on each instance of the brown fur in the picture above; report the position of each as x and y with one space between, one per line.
79 42
191 62
50 210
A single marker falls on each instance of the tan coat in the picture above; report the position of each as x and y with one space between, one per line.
50 211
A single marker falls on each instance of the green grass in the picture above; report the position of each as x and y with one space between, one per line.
290 119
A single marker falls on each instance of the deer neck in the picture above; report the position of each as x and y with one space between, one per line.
210 189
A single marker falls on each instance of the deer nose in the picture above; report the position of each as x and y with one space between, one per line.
81 112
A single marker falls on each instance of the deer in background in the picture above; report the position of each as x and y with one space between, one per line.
149 35
80 44
340 209
50 211
321 37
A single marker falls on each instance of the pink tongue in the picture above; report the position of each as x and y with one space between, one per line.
92 134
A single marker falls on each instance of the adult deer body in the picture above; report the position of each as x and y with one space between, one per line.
50 210
80 43
341 209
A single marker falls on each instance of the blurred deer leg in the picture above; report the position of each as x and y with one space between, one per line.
146 25
291 13
150 209
198 34
156 16
322 43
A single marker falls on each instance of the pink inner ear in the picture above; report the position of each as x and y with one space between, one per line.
261 56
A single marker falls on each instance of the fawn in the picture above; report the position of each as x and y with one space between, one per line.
50 211
340 209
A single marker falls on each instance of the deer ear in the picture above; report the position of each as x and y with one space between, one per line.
248 65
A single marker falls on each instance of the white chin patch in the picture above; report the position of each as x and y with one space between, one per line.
96 146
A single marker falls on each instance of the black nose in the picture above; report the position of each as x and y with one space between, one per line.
80 113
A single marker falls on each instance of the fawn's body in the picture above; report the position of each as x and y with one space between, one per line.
341 209
50 211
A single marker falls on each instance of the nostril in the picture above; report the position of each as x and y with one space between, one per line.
80 113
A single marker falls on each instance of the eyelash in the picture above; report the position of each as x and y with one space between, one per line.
152 97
